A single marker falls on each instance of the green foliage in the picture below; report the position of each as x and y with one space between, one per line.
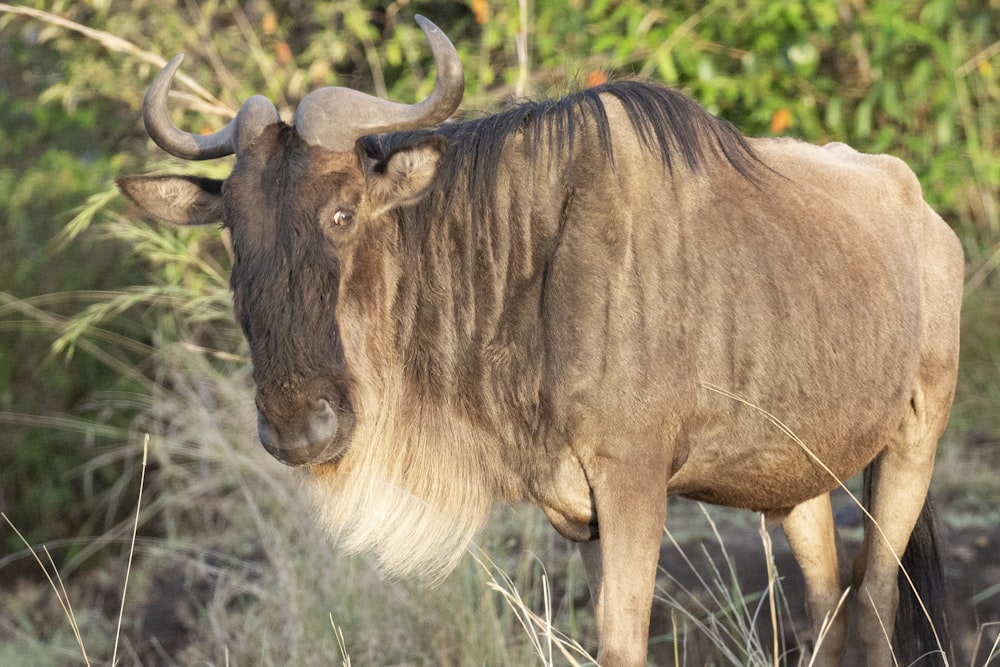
47 169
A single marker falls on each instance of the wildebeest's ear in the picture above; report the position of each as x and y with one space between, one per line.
182 200
405 174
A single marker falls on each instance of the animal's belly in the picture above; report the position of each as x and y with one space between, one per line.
764 473
759 489
779 441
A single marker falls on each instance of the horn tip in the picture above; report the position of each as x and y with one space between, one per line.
170 68
425 23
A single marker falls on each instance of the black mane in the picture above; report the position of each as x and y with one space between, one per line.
668 123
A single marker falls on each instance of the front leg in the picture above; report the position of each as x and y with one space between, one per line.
621 565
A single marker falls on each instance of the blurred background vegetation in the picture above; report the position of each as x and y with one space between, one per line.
111 327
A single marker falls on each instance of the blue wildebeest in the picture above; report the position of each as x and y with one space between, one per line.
588 304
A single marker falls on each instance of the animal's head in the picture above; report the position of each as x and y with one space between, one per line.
301 203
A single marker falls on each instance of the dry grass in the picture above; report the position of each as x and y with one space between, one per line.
251 582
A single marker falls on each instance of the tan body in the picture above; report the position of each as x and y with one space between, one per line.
590 305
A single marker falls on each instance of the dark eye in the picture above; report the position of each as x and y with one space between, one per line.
342 218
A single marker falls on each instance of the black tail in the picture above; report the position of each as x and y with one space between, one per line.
918 637
914 640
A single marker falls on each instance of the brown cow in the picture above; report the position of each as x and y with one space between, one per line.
588 304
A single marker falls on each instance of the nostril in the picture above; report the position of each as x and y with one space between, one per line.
322 424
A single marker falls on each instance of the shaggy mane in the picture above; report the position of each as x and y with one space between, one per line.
669 125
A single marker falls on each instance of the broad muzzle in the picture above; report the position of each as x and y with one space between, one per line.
310 437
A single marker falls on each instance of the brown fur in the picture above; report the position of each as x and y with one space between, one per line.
531 306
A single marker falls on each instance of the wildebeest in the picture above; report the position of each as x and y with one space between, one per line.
588 304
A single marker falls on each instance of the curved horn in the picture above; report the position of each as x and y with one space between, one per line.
335 117
255 114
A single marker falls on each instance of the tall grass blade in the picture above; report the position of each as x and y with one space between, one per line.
536 627
341 644
131 551
824 629
769 556
60 590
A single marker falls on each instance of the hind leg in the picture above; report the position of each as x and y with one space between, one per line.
812 536
901 477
